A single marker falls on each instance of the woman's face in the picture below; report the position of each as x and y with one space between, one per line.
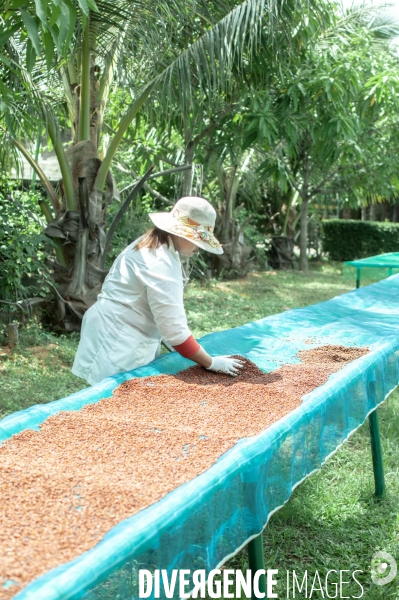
185 247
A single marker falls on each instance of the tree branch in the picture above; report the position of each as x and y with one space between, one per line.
212 125
151 190
62 159
322 183
292 181
169 171
40 173
157 195
84 105
120 214
123 125
159 174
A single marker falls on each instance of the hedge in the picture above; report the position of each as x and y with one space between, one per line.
347 239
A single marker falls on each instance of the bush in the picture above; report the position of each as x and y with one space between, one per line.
349 239
23 246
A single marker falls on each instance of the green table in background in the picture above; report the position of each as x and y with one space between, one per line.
388 261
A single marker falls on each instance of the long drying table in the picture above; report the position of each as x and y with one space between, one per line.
388 262
208 519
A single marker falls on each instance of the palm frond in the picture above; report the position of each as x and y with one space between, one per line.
384 25
226 48
373 17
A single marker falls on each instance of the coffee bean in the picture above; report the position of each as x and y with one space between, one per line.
63 487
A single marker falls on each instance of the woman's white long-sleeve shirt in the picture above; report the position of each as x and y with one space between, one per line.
141 301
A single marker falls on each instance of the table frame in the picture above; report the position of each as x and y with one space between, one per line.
256 558
359 271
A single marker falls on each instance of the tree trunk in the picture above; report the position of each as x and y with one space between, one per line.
188 175
364 213
229 231
78 286
13 336
303 237
373 212
384 208
78 223
187 189
230 187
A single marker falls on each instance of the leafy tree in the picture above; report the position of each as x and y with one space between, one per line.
313 121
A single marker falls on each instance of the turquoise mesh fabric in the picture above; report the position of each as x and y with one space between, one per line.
203 522
391 259
372 268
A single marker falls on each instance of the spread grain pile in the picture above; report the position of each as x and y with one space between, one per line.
63 487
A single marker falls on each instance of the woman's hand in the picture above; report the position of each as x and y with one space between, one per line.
226 364
219 364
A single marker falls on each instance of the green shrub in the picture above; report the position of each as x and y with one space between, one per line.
348 239
23 246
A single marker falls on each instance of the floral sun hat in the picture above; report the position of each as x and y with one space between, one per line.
191 218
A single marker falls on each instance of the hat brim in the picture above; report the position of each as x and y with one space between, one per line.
167 222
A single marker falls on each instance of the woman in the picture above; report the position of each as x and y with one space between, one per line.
141 301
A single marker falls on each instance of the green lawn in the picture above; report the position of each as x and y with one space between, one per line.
39 370
332 520
228 304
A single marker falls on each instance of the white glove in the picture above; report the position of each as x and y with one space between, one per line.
226 364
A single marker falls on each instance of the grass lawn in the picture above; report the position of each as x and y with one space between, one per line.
332 520
40 369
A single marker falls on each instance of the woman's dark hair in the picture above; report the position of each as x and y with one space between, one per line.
154 238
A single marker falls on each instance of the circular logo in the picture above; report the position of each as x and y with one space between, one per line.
383 568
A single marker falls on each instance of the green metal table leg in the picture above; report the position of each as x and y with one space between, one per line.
376 452
358 272
256 561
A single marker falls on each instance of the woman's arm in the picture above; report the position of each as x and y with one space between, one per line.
164 288
202 358
192 350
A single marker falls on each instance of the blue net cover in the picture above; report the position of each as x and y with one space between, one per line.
203 522
390 259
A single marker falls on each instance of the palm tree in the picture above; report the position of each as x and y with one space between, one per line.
59 61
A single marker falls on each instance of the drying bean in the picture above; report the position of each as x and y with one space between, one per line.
63 487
